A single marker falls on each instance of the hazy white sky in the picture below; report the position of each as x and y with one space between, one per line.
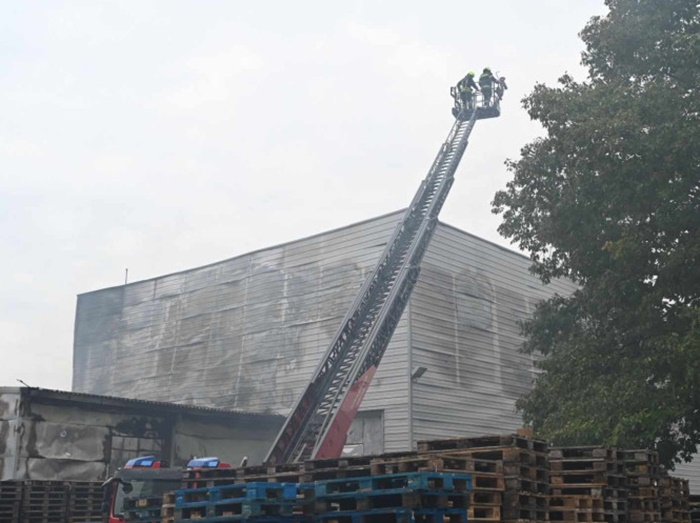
164 135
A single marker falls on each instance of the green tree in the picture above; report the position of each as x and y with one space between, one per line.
610 198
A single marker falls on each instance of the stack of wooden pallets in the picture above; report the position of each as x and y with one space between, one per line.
331 469
515 479
336 468
199 478
510 479
85 501
643 474
10 501
44 502
167 513
674 500
588 484
250 502
414 462
427 497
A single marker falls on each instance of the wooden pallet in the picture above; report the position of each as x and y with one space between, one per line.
505 455
510 441
519 472
421 463
338 463
10 501
244 502
336 473
674 500
202 479
484 513
85 501
415 481
44 501
587 479
642 462
588 484
609 454
369 500
393 515
592 465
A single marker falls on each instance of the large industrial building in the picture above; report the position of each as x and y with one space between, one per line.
247 333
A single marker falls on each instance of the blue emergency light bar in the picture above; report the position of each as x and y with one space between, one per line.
203 463
142 462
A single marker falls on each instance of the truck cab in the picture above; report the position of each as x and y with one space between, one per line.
141 478
146 478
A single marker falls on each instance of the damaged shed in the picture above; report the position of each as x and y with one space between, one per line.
58 435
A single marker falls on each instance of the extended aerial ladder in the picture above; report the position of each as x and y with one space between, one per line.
318 425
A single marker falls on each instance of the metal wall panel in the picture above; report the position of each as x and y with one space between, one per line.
245 333
464 331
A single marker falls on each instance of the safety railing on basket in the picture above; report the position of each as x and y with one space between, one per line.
486 102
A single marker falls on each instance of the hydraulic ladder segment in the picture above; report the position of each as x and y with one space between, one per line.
318 425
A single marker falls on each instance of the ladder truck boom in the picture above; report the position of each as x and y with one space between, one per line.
317 426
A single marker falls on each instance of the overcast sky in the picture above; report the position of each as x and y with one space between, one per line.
164 135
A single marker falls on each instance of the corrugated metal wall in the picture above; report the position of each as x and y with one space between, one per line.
464 330
245 333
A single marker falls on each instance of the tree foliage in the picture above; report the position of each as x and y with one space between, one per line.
610 198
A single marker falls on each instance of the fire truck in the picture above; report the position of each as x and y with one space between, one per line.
146 477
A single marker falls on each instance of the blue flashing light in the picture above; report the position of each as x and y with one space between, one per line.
203 463
142 462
